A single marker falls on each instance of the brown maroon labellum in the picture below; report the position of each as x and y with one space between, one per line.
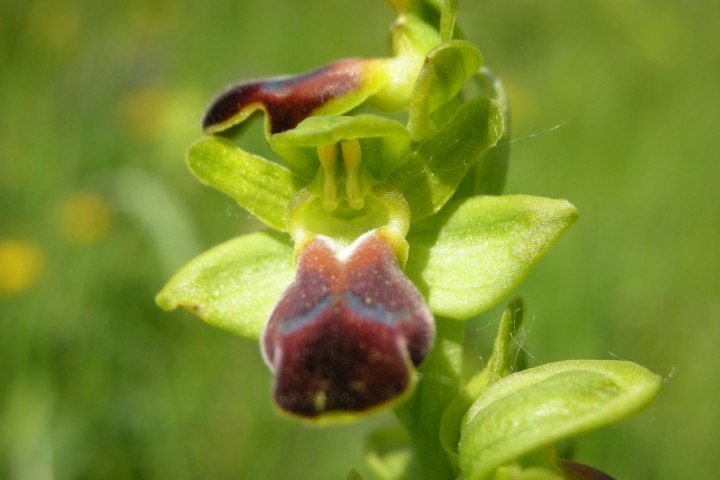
347 332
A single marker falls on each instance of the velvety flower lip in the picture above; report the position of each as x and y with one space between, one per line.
345 335
286 100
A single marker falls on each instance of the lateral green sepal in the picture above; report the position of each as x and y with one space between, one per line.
262 187
477 250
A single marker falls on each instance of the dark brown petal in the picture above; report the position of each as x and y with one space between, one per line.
286 100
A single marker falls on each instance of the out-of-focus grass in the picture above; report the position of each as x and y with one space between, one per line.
615 108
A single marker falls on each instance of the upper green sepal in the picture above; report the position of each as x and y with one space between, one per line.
235 285
477 250
262 187
528 410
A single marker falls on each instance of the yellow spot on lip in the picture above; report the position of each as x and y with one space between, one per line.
20 265
319 401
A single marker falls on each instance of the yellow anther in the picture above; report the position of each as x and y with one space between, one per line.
352 158
328 159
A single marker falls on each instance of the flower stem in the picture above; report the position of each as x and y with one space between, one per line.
437 386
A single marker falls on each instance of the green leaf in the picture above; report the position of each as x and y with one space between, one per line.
260 186
385 143
476 251
436 168
536 407
441 78
235 285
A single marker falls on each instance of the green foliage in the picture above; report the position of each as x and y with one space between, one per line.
352 187
98 383
528 410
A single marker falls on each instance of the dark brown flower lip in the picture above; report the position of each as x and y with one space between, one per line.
347 333
286 100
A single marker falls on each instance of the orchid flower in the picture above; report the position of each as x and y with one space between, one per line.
385 232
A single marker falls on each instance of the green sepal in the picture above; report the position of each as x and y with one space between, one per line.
262 187
441 78
476 251
384 142
235 285
531 409
435 169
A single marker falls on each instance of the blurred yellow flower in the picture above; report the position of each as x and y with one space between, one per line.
142 112
85 218
21 264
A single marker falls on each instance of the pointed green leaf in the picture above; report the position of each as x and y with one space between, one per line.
260 186
536 407
443 75
235 285
435 170
484 248
385 142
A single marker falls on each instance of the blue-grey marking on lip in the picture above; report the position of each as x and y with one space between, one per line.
375 311
287 325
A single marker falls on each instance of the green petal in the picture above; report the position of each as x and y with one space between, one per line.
536 407
260 186
385 143
443 75
485 247
235 285
435 170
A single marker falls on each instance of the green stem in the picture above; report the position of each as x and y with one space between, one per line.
437 386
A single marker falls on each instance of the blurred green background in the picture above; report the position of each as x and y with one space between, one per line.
616 108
